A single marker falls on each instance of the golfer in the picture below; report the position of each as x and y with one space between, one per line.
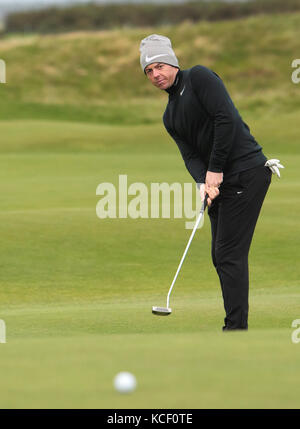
224 159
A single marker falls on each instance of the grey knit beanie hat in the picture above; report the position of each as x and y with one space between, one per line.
156 48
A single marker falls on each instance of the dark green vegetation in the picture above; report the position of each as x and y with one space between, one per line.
100 17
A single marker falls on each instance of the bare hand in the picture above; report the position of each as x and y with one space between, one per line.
212 193
213 180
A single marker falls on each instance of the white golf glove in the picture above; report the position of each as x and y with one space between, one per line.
274 165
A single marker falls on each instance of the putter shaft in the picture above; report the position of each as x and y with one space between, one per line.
204 204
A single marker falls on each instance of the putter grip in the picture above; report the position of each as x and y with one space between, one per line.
205 201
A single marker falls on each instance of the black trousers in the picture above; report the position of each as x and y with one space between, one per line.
233 216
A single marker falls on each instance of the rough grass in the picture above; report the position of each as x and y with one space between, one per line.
89 69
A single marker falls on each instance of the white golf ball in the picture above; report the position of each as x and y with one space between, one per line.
125 382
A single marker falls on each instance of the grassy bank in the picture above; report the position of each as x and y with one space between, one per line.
96 76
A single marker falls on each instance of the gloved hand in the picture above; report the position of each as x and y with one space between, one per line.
274 165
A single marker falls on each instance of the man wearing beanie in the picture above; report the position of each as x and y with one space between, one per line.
222 157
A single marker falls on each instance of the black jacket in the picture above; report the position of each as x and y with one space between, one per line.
203 121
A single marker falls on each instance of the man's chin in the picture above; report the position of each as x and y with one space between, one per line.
163 85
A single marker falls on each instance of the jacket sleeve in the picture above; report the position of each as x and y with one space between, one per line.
191 159
216 101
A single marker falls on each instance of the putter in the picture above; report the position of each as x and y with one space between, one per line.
165 311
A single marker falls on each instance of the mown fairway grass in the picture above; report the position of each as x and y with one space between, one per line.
76 291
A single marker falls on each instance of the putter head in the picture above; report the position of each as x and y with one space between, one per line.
161 311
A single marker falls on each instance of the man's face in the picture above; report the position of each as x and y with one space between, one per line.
161 75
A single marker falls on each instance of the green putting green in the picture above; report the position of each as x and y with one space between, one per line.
77 291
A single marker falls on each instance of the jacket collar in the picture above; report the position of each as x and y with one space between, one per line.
176 85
